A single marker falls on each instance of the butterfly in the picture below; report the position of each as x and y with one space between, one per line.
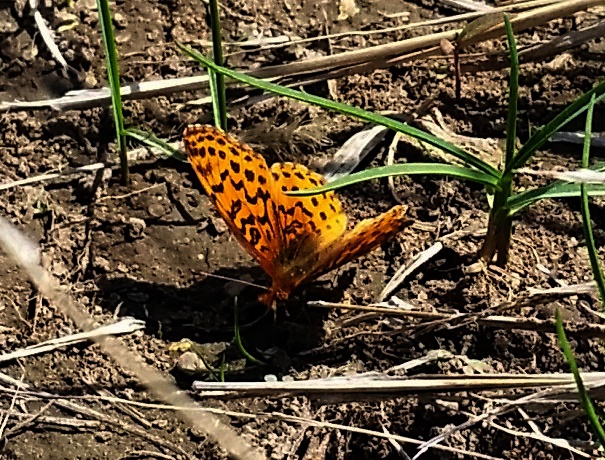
294 239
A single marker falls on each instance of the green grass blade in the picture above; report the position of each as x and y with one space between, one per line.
113 75
458 172
347 110
513 94
216 106
582 394
496 246
595 264
222 369
238 339
557 189
152 141
217 80
543 134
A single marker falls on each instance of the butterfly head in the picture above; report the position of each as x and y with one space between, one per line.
272 297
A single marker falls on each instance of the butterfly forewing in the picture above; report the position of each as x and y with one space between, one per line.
237 181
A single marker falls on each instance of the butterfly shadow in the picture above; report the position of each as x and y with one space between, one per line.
204 312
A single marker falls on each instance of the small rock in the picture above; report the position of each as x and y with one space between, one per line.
8 25
103 436
156 210
233 288
123 36
135 228
20 7
219 225
160 423
120 21
90 5
190 363
90 81
102 263
19 46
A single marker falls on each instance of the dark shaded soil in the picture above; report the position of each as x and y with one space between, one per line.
153 249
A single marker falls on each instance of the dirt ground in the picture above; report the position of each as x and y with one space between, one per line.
153 250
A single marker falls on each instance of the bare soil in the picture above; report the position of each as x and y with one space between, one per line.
153 249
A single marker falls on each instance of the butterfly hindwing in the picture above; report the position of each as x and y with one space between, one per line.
319 217
364 238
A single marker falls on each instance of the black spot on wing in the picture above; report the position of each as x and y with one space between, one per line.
236 207
218 188
238 186
249 175
255 236
200 170
305 211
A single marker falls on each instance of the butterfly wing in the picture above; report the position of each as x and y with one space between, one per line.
304 224
364 238
237 181
313 229
301 219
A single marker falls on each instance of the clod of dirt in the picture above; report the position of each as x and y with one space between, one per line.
135 228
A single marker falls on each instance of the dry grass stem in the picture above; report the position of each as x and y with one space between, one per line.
45 177
378 386
124 326
403 272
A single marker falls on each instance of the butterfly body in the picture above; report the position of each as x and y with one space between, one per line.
294 239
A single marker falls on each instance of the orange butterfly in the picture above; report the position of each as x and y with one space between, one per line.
295 239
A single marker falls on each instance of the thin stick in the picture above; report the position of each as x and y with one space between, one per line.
10 409
404 271
380 386
124 326
49 176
